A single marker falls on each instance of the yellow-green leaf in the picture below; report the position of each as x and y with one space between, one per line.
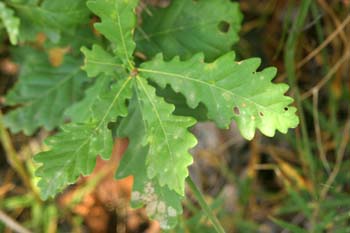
230 90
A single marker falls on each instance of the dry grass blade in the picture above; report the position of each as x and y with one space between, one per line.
339 158
328 76
320 147
328 40
12 224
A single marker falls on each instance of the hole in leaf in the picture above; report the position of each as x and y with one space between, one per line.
236 110
285 108
224 26
261 114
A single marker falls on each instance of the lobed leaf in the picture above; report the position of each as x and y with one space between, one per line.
181 108
52 17
229 90
117 24
43 92
168 139
98 61
10 22
189 27
163 204
74 150
73 153
85 109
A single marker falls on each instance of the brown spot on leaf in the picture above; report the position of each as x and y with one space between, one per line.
56 55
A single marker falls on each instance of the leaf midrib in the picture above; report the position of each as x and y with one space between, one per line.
161 125
123 40
97 128
52 89
204 83
171 30
98 62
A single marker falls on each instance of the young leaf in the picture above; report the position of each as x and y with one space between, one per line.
229 90
74 150
189 27
117 25
43 92
162 204
168 139
10 22
98 61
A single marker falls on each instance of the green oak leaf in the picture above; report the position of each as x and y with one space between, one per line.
74 150
85 109
229 90
98 61
181 107
27 2
189 27
74 153
10 22
52 17
158 155
168 138
162 204
117 24
43 92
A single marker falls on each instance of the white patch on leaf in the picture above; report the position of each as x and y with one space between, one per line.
161 207
171 211
156 208
164 224
151 208
135 196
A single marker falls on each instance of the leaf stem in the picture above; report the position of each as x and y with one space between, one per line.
200 198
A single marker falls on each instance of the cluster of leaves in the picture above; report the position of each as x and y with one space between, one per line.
186 49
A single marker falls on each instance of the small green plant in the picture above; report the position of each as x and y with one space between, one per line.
184 49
